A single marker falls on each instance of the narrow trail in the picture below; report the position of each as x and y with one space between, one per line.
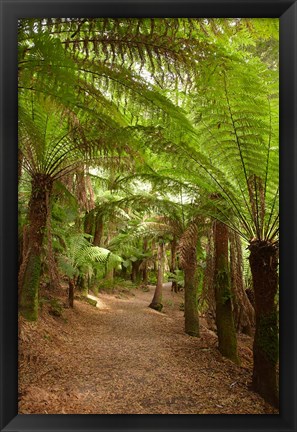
125 358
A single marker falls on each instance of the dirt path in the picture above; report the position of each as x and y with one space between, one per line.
125 358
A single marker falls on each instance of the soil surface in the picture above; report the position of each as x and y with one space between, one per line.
122 357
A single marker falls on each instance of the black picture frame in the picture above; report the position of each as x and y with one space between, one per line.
10 12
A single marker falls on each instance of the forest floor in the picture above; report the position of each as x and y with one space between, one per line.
122 357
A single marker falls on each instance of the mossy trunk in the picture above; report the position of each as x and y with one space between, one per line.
29 274
191 307
157 299
264 262
224 315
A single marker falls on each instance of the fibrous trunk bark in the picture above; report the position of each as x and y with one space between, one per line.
52 266
224 316
244 314
188 260
264 262
157 299
29 274
208 295
191 306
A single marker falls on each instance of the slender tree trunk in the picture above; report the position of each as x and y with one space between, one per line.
157 299
224 316
29 274
173 263
145 275
264 262
144 265
71 292
89 223
136 274
98 229
82 285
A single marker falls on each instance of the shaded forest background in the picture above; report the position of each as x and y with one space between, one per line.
148 153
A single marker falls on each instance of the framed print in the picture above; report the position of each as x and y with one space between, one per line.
146 270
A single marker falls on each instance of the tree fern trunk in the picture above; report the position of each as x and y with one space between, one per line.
191 307
224 316
144 265
208 294
71 292
89 223
173 263
188 260
136 273
264 261
29 274
244 314
98 229
157 299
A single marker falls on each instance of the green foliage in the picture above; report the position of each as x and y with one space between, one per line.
177 276
81 258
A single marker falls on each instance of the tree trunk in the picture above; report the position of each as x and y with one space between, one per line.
188 260
264 261
224 316
89 223
191 306
71 292
98 229
244 314
29 274
173 263
144 265
136 274
20 164
157 299
82 285
145 275
52 266
208 294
